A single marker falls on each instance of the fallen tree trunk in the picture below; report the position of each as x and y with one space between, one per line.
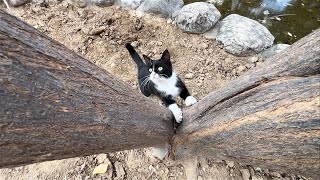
269 117
55 104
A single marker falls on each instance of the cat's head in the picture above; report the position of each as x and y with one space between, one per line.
160 69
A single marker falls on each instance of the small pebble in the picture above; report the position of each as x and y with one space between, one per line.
228 60
203 46
135 44
230 163
189 76
98 30
254 59
101 157
169 21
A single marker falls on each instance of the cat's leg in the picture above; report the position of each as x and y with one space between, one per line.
188 99
173 107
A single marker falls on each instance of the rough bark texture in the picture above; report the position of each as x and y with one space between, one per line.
269 117
55 104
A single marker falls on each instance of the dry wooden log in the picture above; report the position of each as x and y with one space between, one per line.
269 117
55 104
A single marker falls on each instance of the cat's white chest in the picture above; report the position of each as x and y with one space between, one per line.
168 86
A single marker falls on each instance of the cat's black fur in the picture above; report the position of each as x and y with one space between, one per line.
143 72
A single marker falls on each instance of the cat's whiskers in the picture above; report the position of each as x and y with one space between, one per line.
144 82
145 77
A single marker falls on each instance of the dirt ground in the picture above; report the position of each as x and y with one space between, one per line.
99 34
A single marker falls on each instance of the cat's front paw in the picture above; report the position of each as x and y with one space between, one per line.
190 100
176 111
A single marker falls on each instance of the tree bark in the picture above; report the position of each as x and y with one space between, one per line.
269 117
55 104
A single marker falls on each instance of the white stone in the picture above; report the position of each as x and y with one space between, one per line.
189 76
197 17
129 4
101 158
241 36
230 163
165 8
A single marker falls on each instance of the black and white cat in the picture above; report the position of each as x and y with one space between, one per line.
156 77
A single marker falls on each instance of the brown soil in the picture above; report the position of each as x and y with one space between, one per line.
99 34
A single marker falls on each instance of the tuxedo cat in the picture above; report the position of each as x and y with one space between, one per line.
156 77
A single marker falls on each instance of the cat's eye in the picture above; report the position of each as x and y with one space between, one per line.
150 70
160 68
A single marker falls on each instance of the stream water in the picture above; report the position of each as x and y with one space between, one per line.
287 20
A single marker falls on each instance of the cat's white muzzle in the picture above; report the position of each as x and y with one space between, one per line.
154 76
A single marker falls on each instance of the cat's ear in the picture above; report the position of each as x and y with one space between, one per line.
147 59
166 55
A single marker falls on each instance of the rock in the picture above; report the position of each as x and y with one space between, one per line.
216 2
158 43
16 3
80 3
165 8
101 158
97 31
240 35
101 168
254 59
275 49
135 44
230 163
158 152
275 174
228 60
258 169
203 46
245 173
102 3
189 76
197 17
129 4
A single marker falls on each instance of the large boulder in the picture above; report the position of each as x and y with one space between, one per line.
102 3
197 17
129 4
163 7
241 36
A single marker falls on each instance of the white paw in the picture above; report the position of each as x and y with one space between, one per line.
176 111
190 100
